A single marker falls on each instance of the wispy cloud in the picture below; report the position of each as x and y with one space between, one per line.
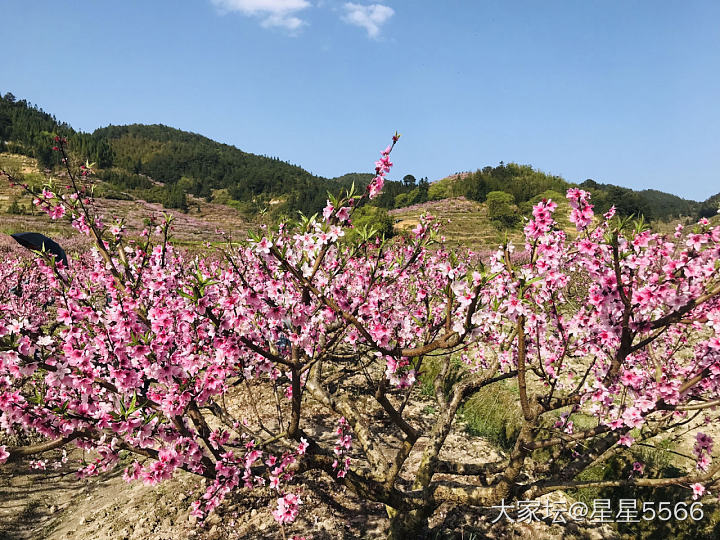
370 17
273 13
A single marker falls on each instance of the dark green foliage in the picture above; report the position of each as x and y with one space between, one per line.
521 181
650 203
359 179
175 198
15 208
166 155
393 192
5 124
130 158
709 208
371 217
423 188
525 184
27 129
667 205
501 208
626 201
123 179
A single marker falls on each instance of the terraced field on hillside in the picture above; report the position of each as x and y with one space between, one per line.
467 222
462 221
204 222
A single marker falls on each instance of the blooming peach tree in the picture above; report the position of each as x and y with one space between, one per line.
137 348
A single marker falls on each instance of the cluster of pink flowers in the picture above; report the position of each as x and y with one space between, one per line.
342 448
582 211
703 450
698 490
542 221
564 423
342 215
399 372
127 348
287 509
638 468
382 167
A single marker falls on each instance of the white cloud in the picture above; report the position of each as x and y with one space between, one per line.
283 21
370 17
278 13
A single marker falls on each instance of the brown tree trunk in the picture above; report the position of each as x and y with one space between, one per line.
411 525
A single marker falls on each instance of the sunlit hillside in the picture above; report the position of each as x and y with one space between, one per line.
203 222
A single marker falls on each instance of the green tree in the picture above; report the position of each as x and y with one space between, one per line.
5 124
501 208
409 181
423 188
371 217
15 208
176 198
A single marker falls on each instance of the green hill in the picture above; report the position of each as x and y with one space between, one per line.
525 184
160 164
27 129
474 224
201 166
709 208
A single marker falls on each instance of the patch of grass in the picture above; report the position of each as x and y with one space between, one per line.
494 413
430 370
583 422
426 378
429 410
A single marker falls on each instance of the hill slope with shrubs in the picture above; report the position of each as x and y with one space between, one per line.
175 168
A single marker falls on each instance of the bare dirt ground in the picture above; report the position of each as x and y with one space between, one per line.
53 504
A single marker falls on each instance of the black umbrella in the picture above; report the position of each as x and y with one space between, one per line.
40 242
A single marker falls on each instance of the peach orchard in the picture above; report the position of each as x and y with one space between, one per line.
132 347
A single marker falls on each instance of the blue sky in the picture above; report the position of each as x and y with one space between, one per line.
620 91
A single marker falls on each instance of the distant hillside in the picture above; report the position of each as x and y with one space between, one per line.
200 166
201 223
164 165
26 129
709 208
524 184
476 225
651 203
358 178
463 222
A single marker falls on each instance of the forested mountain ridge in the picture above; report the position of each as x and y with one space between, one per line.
163 164
526 185
27 129
201 166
